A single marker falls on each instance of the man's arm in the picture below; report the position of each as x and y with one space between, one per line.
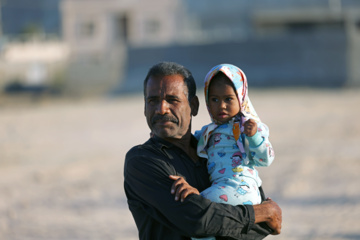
149 184
268 212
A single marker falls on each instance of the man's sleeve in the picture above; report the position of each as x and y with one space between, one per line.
147 181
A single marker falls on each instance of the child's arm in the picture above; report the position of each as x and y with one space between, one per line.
250 128
260 147
198 133
181 188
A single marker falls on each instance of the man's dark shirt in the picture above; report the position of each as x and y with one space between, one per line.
156 213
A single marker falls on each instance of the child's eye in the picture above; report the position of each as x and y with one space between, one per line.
229 99
214 99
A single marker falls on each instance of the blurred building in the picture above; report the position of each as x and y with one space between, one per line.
33 64
112 43
277 43
31 54
95 25
99 33
21 16
331 35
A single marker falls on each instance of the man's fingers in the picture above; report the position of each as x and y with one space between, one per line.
276 217
175 183
179 188
173 177
187 192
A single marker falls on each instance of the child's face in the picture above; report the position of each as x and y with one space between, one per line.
223 103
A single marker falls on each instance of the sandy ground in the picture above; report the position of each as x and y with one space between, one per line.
61 165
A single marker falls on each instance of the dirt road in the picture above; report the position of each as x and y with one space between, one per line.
61 165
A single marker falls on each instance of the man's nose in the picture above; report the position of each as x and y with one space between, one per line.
163 107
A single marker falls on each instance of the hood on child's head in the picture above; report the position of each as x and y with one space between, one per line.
239 80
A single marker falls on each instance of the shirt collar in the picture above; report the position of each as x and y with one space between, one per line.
163 143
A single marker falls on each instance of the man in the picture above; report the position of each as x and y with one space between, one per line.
170 103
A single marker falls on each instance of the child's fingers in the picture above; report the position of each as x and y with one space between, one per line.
250 127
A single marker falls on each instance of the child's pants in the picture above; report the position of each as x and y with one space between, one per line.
238 190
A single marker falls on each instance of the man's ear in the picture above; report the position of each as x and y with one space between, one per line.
194 104
144 108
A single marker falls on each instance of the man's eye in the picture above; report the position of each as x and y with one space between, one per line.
172 100
151 101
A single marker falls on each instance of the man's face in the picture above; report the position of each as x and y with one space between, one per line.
167 109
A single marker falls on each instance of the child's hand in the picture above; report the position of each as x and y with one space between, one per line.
181 188
250 127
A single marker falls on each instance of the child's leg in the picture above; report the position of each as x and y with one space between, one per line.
235 191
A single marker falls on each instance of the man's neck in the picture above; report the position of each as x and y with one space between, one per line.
185 144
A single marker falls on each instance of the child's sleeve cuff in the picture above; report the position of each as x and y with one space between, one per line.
255 140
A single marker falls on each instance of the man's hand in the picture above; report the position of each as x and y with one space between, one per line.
181 188
250 127
270 213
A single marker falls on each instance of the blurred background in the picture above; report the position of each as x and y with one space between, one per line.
97 47
71 105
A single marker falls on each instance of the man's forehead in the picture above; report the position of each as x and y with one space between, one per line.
166 85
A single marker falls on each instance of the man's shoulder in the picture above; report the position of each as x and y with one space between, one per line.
148 157
147 147
154 148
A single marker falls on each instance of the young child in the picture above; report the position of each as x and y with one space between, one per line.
235 142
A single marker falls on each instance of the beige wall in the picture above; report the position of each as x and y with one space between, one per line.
353 30
91 27
95 32
33 62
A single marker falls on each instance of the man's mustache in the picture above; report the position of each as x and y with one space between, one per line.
157 118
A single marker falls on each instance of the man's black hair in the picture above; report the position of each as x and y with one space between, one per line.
170 68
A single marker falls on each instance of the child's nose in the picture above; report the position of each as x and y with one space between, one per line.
223 104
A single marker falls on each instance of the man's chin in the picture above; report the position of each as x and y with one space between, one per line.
163 133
